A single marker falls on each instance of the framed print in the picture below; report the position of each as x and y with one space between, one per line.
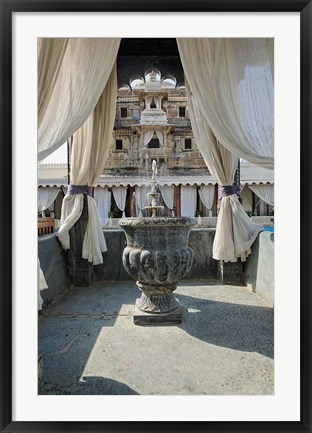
241 364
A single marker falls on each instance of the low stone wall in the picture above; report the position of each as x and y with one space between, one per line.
112 268
257 272
53 264
204 266
200 240
259 268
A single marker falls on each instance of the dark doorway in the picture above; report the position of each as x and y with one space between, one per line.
153 144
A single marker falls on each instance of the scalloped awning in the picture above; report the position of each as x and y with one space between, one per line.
56 175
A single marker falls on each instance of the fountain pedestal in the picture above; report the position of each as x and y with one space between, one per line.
157 256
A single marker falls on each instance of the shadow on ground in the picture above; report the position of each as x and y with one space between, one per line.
91 386
75 324
240 327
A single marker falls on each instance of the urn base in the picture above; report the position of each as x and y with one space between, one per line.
154 319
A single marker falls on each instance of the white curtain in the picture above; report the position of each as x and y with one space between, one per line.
157 100
188 200
46 197
148 135
141 198
160 136
51 53
148 102
120 195
265 192
72 76
42 285
103 198
167 192
206 194
235 231
232 84
89 153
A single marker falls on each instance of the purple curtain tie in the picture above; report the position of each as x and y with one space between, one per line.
226 190
80 189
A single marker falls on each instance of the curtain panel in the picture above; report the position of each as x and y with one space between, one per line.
167 193
230 97
42 285
103 199
120 196
89 153
51 53
46 197
82 66
235 231
188 200
206 194
148 135
141 198
265 192
232 84
160 137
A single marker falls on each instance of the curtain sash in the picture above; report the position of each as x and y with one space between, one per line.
80 189
226 190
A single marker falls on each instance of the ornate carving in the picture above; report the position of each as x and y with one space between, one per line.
159 221
157 256
157 268
157 303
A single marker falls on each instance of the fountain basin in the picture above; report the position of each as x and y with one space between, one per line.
157 256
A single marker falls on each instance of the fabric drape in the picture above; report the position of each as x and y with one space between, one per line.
46 197
160 137
150 99
206 194
120 195
167 193
264 192
188 200
235 231
148 102
71 81
231 82
103 198
51 53
89 152
157 100
141 198
148 135
42 285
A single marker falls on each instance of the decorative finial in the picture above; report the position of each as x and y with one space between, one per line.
153 75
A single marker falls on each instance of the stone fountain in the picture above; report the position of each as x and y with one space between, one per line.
157 255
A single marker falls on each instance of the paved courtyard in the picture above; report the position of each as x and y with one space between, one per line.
224 346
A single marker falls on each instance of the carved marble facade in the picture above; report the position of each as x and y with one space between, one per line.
152 122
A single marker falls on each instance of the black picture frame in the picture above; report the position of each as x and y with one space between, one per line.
8 7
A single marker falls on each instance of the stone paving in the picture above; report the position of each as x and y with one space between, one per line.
224 346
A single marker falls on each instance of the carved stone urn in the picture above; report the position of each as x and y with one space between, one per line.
157 256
